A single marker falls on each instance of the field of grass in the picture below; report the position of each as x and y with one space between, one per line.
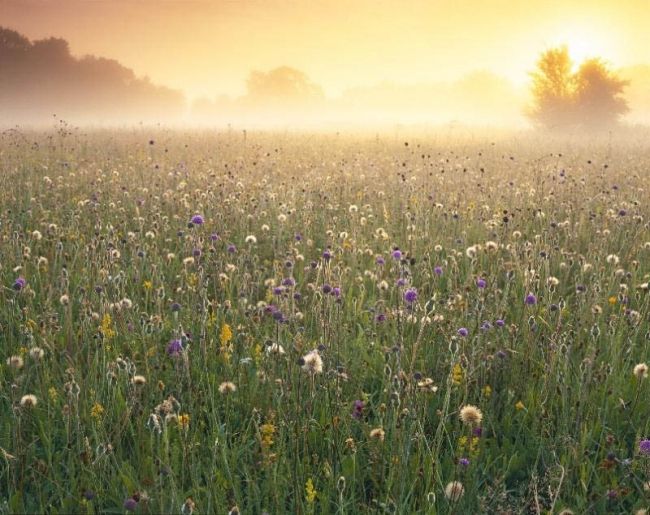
204 322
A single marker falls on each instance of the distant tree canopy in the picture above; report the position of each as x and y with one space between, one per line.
589 97
41 78
283 85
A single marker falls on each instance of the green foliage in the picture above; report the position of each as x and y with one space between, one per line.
97 226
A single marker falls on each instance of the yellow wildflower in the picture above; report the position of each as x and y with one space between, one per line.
310 491
519 406
97 411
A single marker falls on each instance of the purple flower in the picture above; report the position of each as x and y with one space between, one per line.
130 504
381 317
477 432
411 295
20 283
357 409
197 220
289 281
336 291
327 289
644 447
278 290
214 236
232 249
174 348
196 252
530 300
437 270
380 260
397 254
486 326
327 255
176 307
464 462
463 332
401 282
481 283
500 323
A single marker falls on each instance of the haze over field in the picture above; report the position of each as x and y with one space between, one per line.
329 62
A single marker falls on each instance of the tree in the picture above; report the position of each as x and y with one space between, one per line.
283 85
590 97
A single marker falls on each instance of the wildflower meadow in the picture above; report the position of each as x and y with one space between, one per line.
252 322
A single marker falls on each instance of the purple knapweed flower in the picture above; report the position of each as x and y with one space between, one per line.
327 289
130 504
411 295
481 283
20 283
437 270
380 260
463 332
327 255
530 300
232 249
197 219
464 462
644 447
397 254
500 323
174 348
357 409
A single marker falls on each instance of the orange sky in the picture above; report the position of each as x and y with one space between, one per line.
208 47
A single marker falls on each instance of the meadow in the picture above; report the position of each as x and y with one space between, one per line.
228 322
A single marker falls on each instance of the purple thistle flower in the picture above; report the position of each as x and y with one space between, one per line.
380 260
644 447
486 326
481 283
130 504
411 295
289 281
197 219
20 283
500 323
278 290
327 289
464 462
437 270
232 249
400 282
397 254
530 300
381 317
196 252
176 307
298 236
477 432
174 348
463 332
357 409
336 291
327 255
214 236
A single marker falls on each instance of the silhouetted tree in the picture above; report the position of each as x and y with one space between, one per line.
589 97
284 85
40 78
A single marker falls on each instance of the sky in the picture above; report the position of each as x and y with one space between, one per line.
208 47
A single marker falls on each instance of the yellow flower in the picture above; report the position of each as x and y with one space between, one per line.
226 334
97 411
612 300
106 328
267 431
520 406
53 394
310 491
184 421
457 374
147 285
487 391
